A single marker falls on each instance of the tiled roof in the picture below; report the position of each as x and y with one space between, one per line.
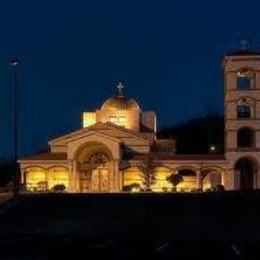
126 130
243 53
181 157
104 126
157 156
47 156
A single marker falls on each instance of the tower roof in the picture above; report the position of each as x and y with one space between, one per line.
243 53
244 50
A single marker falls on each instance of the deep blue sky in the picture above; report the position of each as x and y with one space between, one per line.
168 54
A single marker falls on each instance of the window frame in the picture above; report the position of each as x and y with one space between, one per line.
249 75
240 113
117 120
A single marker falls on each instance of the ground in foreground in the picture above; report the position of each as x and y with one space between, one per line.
183 226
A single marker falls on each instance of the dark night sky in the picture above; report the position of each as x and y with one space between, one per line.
168 54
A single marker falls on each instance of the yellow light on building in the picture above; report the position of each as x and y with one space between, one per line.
89 118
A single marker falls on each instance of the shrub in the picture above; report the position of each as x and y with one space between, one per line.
59 187
174 179
130 187
164 189
195 190
219 188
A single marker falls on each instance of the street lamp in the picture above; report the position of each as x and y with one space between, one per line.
212 148
15 62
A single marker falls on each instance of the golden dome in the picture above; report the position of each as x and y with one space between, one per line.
120 103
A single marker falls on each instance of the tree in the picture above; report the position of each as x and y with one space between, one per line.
147 168
197 135
174 179
203 175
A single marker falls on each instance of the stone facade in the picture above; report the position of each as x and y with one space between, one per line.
118 142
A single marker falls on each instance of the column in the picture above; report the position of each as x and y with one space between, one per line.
47 184
223 181
111 176
116 176
22 180
71 180
75 177
198 179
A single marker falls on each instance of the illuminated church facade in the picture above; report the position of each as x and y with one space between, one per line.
117 141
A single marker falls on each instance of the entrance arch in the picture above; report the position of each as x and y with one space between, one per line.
99 175
94 167
245 170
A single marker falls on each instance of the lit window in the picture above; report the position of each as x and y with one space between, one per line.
244 79
243 111
113 119
120 120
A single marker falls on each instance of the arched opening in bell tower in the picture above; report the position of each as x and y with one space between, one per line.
246 170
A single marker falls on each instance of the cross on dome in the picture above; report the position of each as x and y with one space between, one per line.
120 87
244 45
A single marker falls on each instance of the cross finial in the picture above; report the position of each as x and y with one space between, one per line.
120 87
244 45
14 62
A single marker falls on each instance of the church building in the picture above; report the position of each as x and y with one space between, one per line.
117 145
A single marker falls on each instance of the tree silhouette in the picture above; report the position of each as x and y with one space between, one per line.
175 179
147 168
197 135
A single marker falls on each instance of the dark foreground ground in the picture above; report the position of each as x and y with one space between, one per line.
127 226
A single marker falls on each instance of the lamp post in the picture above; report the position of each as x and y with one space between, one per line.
15 62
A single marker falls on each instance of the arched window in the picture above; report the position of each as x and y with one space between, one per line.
245 169
244 79
57 175
243 111
36 179
245 138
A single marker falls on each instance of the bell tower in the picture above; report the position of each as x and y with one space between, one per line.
242 118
